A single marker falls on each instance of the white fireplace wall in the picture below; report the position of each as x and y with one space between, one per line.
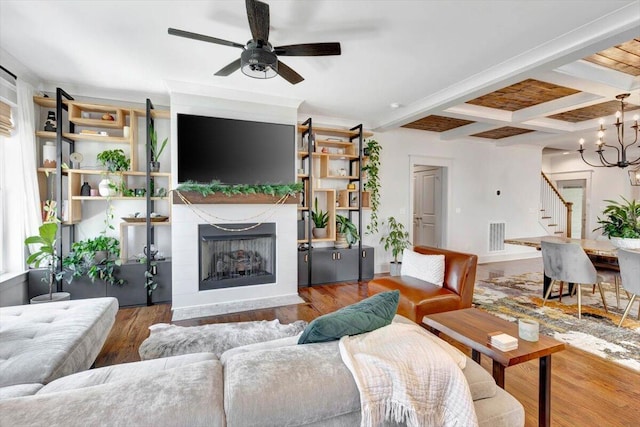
226 103
184 229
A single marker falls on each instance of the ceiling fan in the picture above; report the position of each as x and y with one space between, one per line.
259 59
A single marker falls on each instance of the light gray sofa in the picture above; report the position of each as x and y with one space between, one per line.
275 383
42 342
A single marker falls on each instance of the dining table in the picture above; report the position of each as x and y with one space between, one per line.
601 252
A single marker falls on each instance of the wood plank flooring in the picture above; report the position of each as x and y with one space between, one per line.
586 390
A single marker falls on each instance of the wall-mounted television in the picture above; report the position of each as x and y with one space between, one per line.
235 151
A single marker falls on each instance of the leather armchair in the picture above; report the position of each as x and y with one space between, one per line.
418 298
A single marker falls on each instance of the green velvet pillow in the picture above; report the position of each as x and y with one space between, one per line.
365 316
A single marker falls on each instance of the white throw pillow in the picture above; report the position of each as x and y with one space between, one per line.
429 268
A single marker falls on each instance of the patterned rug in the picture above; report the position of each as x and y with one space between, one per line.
517 297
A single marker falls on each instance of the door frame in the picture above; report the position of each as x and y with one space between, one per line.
446 164
587 175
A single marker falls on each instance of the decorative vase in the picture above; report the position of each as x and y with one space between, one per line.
154 166
106 188
624 243
85 190
341 241
319 233
49 155
50 124
100 256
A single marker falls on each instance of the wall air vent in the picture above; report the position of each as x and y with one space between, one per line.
496 236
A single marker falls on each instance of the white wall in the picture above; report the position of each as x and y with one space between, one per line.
476 171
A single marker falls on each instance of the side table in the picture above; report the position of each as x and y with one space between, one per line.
471 326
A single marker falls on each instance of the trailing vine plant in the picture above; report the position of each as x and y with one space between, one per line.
372 184
230 190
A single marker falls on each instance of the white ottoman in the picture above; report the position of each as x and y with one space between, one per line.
42 342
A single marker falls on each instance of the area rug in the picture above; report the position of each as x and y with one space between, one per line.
171 340
518 297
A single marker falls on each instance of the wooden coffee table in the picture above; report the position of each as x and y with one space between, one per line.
470 327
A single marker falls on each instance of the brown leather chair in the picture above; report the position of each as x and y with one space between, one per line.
418 298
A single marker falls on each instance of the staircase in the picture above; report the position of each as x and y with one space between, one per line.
555 212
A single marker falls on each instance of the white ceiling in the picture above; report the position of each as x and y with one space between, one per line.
428 56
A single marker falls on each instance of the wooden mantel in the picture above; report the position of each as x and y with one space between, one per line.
235 199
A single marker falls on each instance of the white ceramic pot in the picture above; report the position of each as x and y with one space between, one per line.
106 189
624 243
319 233
56 296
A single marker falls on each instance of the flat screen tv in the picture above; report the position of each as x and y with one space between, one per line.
235 151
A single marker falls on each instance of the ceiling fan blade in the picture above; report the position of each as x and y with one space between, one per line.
288 74
258 14
195 36
234 66
309 49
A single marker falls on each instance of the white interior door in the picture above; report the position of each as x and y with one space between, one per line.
427 206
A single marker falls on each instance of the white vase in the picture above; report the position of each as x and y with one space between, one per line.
624 243
106 188
319 233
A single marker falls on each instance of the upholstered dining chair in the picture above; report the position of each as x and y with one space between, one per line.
568 262
629 262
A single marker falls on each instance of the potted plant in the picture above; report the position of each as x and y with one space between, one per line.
114 161
346 232
47 256
397 240
621 223
94 258
372 183
156 151
320 220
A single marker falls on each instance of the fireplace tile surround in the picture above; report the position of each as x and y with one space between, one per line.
189 301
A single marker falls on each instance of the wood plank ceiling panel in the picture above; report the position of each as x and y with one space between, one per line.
503 132
624 57
521 95
437 123
593 112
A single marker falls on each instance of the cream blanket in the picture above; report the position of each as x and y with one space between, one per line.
405 374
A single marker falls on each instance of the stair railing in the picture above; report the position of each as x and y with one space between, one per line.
555 211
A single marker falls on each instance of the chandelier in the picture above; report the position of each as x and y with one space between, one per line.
621 148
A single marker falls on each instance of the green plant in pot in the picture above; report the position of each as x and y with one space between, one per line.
397 239
621 223
156 149
346 232
47 256
114 161
95 258
320 220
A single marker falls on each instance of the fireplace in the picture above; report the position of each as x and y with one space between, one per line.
232 255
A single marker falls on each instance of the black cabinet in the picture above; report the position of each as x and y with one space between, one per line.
330 265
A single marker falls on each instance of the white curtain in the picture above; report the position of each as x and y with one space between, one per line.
27 182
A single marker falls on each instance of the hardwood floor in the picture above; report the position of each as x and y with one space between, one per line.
586 390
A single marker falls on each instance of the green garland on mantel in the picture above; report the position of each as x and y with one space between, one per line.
233 189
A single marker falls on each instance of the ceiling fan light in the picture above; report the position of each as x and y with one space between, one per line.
259 63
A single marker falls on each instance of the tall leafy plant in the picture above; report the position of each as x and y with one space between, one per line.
397 239
622 219
319 217
46 255
156 150
372 184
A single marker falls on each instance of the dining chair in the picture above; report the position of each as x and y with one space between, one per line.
629 262
568 262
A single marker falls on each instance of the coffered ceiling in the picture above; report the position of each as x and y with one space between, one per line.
502 72
552 110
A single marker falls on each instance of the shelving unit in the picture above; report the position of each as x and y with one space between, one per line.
330 162
83 122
